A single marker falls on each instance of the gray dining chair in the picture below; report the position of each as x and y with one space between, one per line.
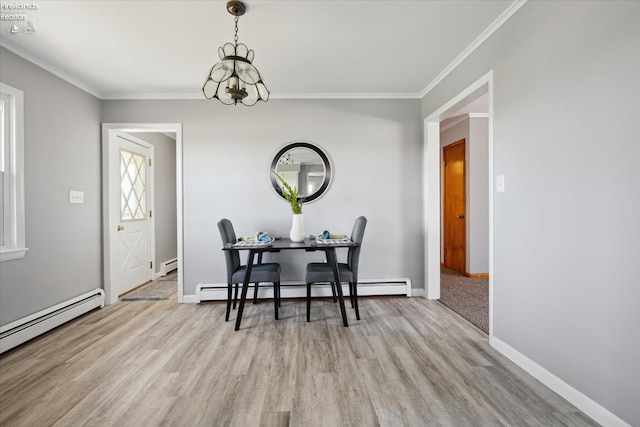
260 272
322 272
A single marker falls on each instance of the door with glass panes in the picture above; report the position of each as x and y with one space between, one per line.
129 217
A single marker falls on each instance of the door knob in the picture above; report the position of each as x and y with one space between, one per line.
460 216
120 228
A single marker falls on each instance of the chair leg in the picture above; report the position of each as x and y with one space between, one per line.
255 293
308 302
276 297
226 317
279 295
351 294
355 299
235 296
333 291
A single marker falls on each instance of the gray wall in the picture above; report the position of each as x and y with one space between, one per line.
478 207
227 154
61 153
476 134
566 290
566 287
165 212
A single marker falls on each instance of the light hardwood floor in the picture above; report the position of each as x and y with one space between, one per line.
408 362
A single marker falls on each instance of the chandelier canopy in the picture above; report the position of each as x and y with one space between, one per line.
234 79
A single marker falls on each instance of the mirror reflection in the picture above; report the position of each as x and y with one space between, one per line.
304 166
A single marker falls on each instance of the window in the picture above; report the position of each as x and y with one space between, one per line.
132 186
12 228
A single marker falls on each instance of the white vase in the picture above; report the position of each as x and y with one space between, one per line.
297 228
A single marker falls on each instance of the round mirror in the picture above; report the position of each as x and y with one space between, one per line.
304 166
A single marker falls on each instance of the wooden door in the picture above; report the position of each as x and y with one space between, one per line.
454 228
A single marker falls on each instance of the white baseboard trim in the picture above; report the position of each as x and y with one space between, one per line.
419 293
22 330
292 289
190 299
593 409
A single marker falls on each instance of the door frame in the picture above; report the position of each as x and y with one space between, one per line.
108 128
431 209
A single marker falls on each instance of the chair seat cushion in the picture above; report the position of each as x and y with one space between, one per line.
267 272
322 272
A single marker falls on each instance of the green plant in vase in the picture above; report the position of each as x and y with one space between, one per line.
290 194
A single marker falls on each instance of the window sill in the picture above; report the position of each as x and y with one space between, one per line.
12 254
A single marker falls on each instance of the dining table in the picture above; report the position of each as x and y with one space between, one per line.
309 244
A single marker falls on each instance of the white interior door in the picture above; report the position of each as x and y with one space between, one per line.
129 213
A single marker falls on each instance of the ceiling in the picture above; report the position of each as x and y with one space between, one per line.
146 49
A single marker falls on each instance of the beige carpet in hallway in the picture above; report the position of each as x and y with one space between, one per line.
466 296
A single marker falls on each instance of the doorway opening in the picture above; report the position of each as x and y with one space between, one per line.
466 106
163 138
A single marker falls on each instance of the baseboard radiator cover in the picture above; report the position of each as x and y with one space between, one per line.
168 266
293 289
22 330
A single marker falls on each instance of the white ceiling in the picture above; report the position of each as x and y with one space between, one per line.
303 49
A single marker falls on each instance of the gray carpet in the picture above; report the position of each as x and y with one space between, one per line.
467 297
160 289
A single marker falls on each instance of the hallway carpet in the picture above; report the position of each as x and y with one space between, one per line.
467 297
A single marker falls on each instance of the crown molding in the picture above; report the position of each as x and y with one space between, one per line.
346 96
48 67
302 96
504 17
150 96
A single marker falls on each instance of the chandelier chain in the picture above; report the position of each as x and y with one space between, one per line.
235 38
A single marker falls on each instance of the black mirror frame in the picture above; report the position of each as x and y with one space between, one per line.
327 170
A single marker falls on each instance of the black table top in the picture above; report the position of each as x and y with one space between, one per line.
286 243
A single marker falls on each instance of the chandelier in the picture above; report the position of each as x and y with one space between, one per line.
234 79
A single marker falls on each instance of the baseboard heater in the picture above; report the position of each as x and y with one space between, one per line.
22 330
366 287
168 266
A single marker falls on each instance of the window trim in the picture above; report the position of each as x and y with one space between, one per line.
16 246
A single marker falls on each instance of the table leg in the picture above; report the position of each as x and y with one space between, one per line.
331 255
245 287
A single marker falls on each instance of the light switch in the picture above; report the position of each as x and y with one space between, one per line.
500 183
76 196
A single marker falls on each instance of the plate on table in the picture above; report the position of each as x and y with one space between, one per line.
252 244
332 241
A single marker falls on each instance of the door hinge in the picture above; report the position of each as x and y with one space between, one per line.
150 264
149 162
150 214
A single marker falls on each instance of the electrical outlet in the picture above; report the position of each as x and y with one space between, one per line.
76 196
